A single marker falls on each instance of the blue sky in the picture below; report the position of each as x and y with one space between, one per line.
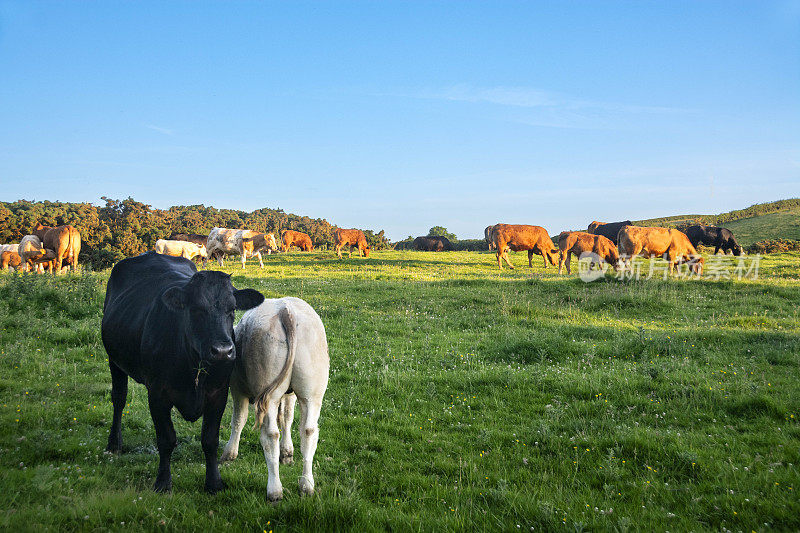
405 115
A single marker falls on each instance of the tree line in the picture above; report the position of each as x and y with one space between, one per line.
125 228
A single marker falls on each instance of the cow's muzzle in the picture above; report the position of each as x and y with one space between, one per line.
223 352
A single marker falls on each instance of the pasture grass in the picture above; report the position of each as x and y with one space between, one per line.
781 225
460 397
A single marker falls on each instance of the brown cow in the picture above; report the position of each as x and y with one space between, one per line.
11 259
296 238
64 240
518 237
350 237
669 243
579 242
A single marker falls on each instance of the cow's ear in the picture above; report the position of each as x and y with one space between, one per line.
174 298
247 298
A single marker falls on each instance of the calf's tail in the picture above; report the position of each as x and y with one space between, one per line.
262 402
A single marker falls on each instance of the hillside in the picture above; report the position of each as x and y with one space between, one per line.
773 220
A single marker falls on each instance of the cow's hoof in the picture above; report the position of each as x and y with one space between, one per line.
215 487
287 458
228 455
306 485
275 496
163 486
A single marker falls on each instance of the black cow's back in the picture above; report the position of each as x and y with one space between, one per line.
611 230
134 288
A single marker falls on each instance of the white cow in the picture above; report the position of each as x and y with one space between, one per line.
33 254
188 250
281 347
222 241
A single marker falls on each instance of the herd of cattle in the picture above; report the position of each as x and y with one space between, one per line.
616 243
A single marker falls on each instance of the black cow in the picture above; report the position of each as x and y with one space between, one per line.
608 230
432 243
720 238
189 237
170 327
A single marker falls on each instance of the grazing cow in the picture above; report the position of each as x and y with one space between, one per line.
34 255
578 242
64 240
10 259
170 327
296 238
487 236
433 243
720 238
185 249
283 358
608 230
350 237
669 243
245 242
518 237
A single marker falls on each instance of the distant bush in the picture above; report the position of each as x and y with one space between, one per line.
774 246
470 245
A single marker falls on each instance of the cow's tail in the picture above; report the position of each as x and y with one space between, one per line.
262 402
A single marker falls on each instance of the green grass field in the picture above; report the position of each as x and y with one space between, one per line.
783 225
460 397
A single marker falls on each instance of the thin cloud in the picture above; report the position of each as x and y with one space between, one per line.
159 129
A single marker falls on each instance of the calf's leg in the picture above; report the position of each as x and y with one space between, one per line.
285 419
238 420
530 258
260 262
119 396
269 442
309 436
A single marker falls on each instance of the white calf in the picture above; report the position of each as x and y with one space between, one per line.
188 250
282 357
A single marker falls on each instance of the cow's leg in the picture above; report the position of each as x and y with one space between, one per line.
285 419
530 258
244 257
119 396
260 262
238 420
215 402
338 248
351 250
569 262
309 435
269 441
161 412
544 258
219 258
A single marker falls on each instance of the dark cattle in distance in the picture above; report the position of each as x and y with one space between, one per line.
609 230
433 243
170 327
189 237
719 238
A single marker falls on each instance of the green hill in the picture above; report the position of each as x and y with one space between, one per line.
773 220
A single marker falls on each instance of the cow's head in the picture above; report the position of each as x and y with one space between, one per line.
208 301
202 252
366 251
695 263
